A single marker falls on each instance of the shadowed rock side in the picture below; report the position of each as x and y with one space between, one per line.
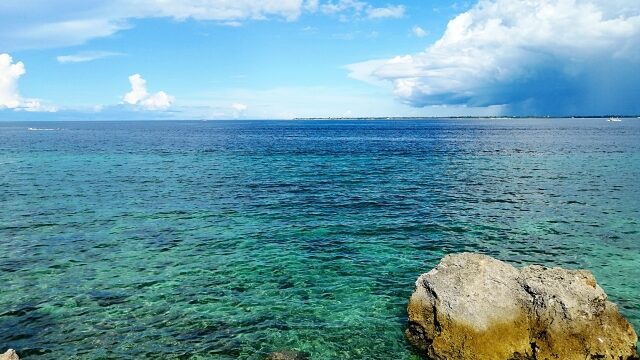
9 355
472 306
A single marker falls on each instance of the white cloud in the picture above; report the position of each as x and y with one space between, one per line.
138 90
9 75
85 56
239 109
311 5
139 96
391 11
332 7
45 23
523 52
419 32
232 23
219 10
365 72
45 33
358 9
158 101
10 98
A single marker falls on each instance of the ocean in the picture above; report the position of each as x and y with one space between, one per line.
233 239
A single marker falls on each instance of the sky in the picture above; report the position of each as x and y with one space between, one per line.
282 59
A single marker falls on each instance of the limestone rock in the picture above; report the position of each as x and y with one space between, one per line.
9 355
472 306
288 355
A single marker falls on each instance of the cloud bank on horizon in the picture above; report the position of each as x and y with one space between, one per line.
531 57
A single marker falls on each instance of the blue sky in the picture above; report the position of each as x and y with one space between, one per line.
210 59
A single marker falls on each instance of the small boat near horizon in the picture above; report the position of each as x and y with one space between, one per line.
614 119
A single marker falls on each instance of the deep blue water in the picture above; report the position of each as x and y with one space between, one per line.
229 240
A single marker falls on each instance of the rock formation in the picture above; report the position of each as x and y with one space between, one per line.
474 307
9 355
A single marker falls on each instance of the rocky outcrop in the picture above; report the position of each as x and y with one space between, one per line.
9 355
472 306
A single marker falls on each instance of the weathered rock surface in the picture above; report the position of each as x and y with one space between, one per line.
472 306
288 355
9 355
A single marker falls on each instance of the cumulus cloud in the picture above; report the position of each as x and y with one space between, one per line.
9 75
10 98
332 7
360 9
46 23
567 56
85 56
239 109
139 96
419 32
391 11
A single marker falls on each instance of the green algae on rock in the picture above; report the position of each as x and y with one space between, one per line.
288 355
474 307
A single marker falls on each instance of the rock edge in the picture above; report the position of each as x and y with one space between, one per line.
9 355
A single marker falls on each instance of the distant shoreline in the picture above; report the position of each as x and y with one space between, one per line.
467 117
372 118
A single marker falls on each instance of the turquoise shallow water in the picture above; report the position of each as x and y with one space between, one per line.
229 240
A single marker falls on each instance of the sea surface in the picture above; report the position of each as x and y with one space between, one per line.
233 239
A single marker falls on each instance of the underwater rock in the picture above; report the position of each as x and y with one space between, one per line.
472 306
9 355
288 355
